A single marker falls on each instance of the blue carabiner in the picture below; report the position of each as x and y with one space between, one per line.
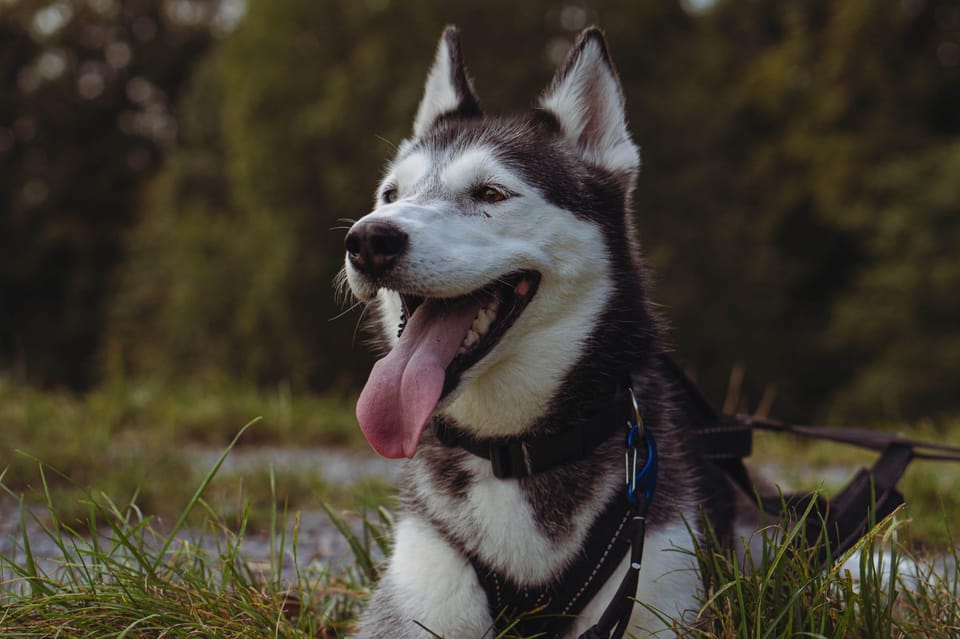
644 478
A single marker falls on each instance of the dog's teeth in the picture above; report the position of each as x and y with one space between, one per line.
482 323
471 338
483 320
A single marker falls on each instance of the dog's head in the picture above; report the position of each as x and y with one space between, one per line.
487 250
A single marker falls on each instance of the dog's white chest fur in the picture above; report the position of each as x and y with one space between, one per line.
435 585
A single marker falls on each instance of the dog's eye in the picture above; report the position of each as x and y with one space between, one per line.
390 195
489 195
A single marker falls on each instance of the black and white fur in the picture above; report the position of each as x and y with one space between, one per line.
567 170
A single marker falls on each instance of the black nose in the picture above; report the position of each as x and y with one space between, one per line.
373 247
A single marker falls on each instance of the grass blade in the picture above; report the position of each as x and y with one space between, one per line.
360 551
182 519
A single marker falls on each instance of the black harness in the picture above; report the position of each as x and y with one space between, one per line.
724 440
548 611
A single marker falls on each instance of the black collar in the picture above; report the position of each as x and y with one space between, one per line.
515 457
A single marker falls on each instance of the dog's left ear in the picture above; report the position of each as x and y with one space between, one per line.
448 90
586 99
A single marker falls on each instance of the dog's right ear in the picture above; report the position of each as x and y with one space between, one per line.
448 90
587 102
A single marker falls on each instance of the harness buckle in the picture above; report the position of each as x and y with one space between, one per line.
508 460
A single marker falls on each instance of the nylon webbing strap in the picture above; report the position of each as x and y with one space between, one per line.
549 611
837 524
869 497
615 619
719 437
860 437
728 438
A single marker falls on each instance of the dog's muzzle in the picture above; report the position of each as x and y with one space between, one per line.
374 247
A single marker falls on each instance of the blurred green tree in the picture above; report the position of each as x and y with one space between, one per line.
85 113
768 214
901 316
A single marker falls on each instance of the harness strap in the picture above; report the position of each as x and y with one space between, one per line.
837 524
719 437
730 436
869 497
549 611
615 619
860 437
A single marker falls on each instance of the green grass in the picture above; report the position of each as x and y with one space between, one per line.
124 578
128 438
782 593
105 477
203 412
121 577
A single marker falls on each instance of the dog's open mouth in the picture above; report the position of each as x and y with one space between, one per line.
439 339
501 303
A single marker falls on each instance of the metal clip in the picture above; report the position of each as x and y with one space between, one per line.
637 418
634 432
646 476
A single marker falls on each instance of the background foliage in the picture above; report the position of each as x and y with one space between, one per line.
170 172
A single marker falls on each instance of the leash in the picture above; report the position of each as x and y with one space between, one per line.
641 481
860 437
730 436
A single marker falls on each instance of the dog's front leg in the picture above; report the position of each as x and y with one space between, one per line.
427 584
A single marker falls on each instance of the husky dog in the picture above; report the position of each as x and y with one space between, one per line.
503 265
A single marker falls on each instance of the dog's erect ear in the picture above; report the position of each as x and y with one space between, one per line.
586 99
448 91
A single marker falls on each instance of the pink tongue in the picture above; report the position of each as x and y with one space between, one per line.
404 387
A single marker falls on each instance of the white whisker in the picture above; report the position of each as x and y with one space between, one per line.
341 288
393 147
356 329
341 314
